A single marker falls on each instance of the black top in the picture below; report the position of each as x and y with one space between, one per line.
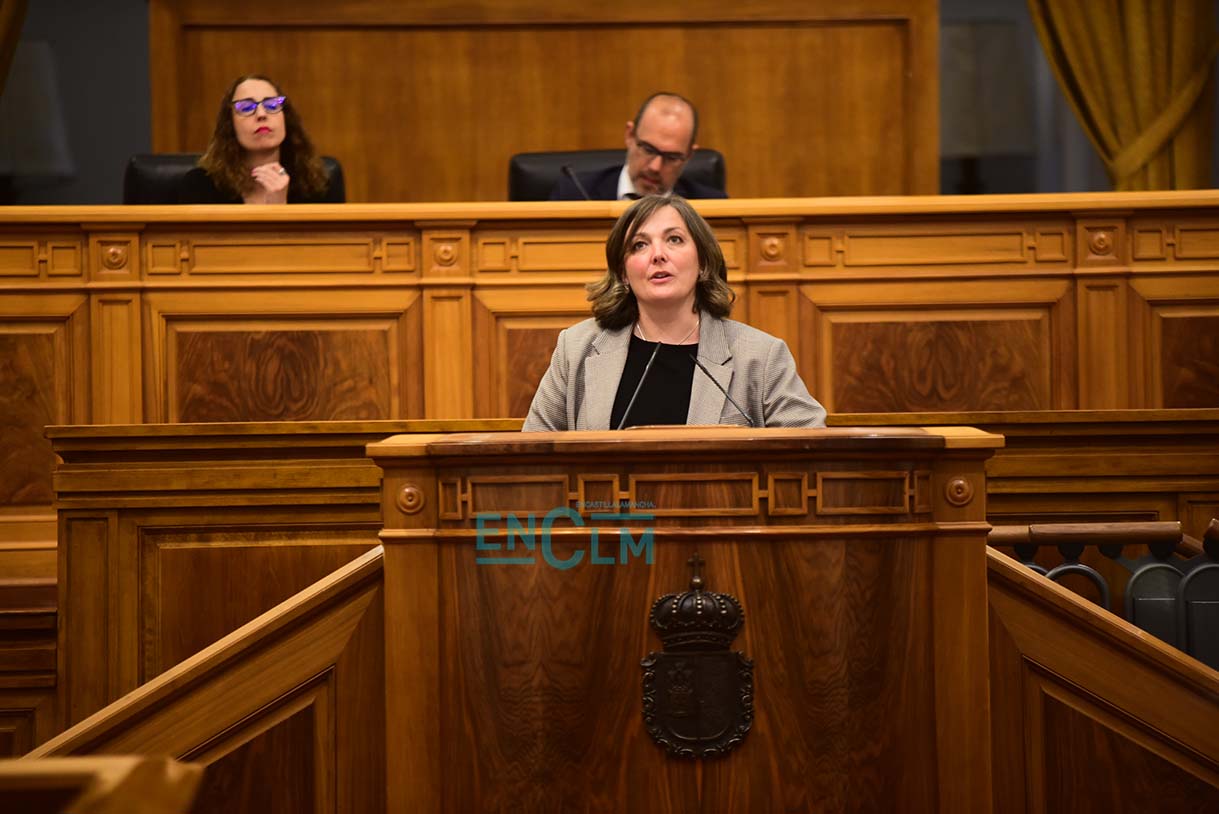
665 395
197 188
603 186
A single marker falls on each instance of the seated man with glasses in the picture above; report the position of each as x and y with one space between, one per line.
659 142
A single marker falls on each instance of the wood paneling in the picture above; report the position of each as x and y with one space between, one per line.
27 664
1189 358
403 311
1096 764
1090 714
228 375
474 84
236 355
246 571
287 712
188 531
1091 466
60 785
852 621
273 772
923 361
44 379
28 399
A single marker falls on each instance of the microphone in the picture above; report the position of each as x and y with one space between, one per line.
703 368
570 173
639 386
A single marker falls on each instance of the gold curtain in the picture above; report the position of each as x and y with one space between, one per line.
1138 74
12 15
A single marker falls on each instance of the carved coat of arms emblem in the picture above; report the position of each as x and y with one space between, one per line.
697 694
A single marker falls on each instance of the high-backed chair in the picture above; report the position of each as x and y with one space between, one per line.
532 176
153 178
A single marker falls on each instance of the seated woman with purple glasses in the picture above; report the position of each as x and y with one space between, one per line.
259 153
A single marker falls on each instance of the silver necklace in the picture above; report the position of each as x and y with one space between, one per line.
639 332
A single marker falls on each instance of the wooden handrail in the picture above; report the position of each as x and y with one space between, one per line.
1081 700
98 785
206 672
1152 533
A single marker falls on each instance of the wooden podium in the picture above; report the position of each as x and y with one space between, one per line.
513 672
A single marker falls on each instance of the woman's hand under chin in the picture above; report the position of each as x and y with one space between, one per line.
270 184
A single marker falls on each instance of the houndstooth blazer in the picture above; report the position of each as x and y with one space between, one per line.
757 369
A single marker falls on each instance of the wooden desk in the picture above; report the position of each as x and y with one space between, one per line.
859 558
120 315
1085 466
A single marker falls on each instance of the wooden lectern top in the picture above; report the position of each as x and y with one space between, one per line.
718 440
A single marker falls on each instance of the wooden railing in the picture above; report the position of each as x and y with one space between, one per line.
287 712
1089 713
1148 573
98 785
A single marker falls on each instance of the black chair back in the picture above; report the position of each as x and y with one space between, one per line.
532 176
153 178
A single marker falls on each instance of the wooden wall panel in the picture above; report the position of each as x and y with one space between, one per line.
1196 512
1189 356
44 379
245 571
1096 764
32 372
172 536
471 85
239 356
27 663
407 311
923 361
274 771
880 347
514 341
287 713
223 373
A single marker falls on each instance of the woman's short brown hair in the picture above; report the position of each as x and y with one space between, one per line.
224 159
614 305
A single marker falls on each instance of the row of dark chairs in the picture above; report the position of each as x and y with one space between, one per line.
1172 591
153 178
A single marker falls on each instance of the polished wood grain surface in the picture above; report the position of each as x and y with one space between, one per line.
1091 466
401 311
1091 714
27 663
98 785
951 365
281 376
286 713
476 83
172 536
1191 360
849 617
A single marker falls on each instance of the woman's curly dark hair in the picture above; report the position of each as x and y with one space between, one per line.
224 159
615 306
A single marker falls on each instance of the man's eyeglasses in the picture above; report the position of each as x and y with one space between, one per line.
272 104
651 152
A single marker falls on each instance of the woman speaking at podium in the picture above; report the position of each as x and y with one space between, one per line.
659 348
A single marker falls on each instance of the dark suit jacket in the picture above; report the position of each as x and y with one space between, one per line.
603 186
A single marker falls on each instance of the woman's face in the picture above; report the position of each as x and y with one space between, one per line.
662 261
260 131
